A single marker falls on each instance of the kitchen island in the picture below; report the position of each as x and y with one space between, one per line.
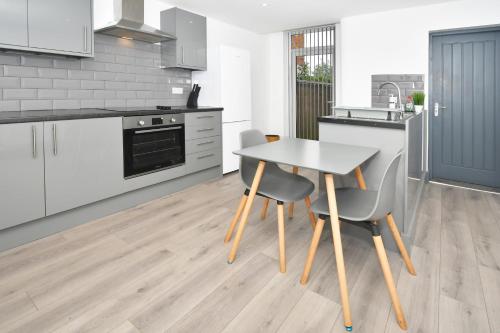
390 136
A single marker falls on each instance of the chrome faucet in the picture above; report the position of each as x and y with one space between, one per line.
397 87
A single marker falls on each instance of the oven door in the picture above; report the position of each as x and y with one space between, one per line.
151 149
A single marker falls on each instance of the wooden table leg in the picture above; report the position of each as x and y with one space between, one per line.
246 210
339 256
295 170
236 217
360 178
263 212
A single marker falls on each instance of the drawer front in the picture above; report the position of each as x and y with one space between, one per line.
203 160
197 145
204 119
203 131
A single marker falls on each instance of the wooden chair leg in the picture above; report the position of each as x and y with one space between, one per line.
339 256
312 250
281 236
312 218
263 212
359 177
236 217
291 205
246 211
401 246
389 280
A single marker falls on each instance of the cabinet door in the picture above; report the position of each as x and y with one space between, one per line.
83 162
64 25
191 39
21 173
14 22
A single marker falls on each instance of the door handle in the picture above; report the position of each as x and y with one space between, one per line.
54 138
437 107
33 133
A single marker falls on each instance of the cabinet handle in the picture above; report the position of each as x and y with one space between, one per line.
33 133
205 156
206 129
54 138
205 143
204 117
85 47
182 52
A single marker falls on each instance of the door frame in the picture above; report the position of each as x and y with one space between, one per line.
430 99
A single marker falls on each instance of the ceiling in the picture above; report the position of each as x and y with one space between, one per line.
280 15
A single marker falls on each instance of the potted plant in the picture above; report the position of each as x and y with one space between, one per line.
418 100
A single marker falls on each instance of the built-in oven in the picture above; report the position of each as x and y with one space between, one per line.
152 143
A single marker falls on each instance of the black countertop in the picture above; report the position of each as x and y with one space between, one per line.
394 124
8 117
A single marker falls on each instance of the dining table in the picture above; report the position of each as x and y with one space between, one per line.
330 159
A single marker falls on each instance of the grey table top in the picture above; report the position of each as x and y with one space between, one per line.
9 117
327 157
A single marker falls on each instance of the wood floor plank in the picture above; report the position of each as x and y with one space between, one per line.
214 312
428 219
490 279
482 219
459 274
419 294
458 317
15 307
313 313
126 327
488 252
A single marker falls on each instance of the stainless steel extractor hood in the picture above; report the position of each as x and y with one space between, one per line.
129 23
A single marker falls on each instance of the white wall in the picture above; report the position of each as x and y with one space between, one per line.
397 42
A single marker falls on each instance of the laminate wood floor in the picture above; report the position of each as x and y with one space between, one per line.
161 266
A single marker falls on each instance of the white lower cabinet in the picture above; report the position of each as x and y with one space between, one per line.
21 173
231 142
83 162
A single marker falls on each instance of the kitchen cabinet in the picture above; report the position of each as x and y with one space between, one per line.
21 173
83 162
48 26
63 25
14 22
189 50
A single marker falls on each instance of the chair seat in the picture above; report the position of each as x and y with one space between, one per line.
352 204
280 185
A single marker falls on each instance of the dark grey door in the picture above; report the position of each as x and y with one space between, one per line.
465 122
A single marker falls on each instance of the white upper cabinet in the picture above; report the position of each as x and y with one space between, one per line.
62 25
48 26
14 22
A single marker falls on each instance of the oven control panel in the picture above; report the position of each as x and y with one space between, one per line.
152 120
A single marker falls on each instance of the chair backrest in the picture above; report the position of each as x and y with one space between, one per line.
386 190
248 166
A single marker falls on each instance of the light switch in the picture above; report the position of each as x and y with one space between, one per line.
177 91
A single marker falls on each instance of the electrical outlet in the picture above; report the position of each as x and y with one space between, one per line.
177 91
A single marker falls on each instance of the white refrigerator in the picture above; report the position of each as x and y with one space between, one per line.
227 83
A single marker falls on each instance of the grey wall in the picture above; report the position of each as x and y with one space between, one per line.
123 73
408 83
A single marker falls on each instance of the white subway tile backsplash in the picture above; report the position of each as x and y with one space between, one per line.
36 104
88 84
66 104
52 93
19 93
80 75
9 105
36 83
20 71
123 73
53 73
10 82
67 84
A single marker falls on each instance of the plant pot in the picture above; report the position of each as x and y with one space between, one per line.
419 108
